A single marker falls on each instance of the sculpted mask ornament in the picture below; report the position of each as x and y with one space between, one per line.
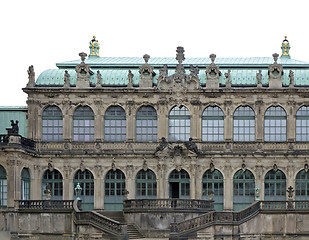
212 74
83 72
146 73
275 72
50 166
145 166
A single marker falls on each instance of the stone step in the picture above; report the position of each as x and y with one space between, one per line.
133 233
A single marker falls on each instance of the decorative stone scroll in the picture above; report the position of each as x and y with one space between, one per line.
179 82
146 73
83 72
212 74
275 72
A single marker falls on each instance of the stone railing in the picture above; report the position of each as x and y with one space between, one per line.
197 223
166 204
27 143
40 205
101 222
296 205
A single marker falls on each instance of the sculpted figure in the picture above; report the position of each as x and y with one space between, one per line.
227 75
99 79
130 77
66 79
163 144
191 146
291 76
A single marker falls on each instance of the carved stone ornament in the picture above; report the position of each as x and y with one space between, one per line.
212 74
212 166
291 77
50 166
243 167
114 166
259 78
82 166
130 77
145 166
191 146
66 79
179 82
275 167
146 74
306 167
275 72
83 73
99 80
227 75
31 76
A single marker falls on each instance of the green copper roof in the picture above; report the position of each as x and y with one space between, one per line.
202 62
14 113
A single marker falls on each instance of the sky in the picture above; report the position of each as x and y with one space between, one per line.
43 33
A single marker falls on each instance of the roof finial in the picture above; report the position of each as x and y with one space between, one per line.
285 47
83 56
94 47
180 56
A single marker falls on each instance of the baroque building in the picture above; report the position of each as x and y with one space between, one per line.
230 131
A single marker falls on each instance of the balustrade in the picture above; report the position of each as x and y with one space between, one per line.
175 204
297 205
45 204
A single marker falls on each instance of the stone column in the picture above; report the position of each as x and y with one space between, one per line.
228 121
259 121
11 176
228 189
162 119
67 127
98 193
130 119
36 183
195 122
67 191
291 120
98 125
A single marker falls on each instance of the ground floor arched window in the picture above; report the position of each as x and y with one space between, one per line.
302 185
53 181
212 184
243 189
25 184
85 180
179 184
146 185
3 187
275 186
115 185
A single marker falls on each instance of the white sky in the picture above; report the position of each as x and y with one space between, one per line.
42 33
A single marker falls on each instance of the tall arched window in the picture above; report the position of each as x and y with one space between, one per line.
275 185
115 185
25 184
146 184
244 189
146 124
179 124
302 124
179 184
302 185
83 124
86 182
212 183
52 124
3 187
213 124
275 125
115 124
53 179
244 124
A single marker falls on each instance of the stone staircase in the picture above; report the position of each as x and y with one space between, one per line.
133 232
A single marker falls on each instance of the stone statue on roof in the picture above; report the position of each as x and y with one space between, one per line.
99 79
66 79
291 76
259 78
130 77
31 76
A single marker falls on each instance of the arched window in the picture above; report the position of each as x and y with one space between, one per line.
212 183
3 187
244 124
115 185
302 185
83 124
243 187
146 124
146 184
179 124
53 179
302 124
86 182
275 185
25 184
52 124
275 125
179 184
115 124
213 124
